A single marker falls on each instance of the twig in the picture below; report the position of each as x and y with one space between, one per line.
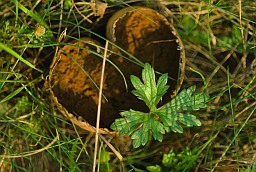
99 107
85 17
33 153
119 156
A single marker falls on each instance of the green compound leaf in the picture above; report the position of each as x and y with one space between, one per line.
131 121
186 100
139 125
178 110
149 92
158 121
174 117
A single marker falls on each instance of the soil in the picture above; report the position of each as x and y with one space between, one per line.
149 41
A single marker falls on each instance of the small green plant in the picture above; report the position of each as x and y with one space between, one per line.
158 121
192 32
182 161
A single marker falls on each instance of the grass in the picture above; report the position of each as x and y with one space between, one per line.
220 44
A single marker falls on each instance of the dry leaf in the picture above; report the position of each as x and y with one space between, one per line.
98 8
40 31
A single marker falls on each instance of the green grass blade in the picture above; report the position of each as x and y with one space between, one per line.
31 14
16 11
10 81
10 51
234 139
11 95
4 76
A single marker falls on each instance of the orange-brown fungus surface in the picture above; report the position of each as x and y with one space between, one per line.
142 33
